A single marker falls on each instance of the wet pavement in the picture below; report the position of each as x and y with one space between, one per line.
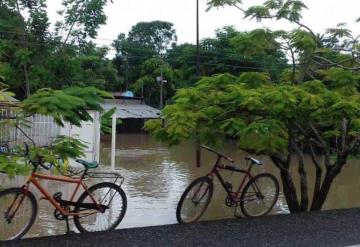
327 228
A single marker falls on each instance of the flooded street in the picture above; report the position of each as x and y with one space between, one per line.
156 176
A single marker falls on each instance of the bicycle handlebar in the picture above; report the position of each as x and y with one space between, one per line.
27 150
44 166
217 153
40 162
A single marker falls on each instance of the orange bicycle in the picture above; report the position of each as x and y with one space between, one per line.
99 208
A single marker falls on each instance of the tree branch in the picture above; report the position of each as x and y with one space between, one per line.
277 17
344 134
352 145
335 64
303 177
322 145
318 168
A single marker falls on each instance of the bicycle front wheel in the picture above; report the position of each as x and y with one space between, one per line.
18 210
195 200
92 220
259 195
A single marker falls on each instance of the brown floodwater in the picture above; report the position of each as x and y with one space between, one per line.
156 175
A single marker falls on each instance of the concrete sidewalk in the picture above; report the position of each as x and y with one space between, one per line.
327 228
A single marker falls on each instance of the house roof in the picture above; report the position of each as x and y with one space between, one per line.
8 101
131 108
8 98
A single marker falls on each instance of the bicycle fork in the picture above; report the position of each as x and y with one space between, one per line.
198 191
10 215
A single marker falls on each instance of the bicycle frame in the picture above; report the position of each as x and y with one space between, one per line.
216 171
35 180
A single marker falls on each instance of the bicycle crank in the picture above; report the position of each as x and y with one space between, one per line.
58 215
229 202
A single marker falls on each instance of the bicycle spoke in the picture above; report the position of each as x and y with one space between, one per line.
259 196
194 201
106 194
15 215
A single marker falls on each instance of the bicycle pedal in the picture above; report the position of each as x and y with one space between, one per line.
57 196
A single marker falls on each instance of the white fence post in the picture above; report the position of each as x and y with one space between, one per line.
113 142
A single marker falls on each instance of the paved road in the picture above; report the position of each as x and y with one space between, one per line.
328 228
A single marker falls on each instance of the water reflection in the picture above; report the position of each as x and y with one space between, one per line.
156 176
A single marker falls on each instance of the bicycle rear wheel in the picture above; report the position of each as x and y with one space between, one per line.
108 194
259 195
18 212
195 200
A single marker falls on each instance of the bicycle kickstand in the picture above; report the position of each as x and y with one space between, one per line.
68 231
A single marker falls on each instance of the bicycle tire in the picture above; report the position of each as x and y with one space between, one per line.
5 225
180 206
111 186
254 183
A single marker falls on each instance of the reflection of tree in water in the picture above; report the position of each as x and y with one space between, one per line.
145 164
156 176
151 175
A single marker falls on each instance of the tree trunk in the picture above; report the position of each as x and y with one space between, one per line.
317 185
331 174
27 81
318 168
290 191
303 185
320 198
287 182
303 177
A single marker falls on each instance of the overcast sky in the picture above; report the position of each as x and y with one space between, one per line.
122 14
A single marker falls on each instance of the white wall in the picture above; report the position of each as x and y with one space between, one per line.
89 133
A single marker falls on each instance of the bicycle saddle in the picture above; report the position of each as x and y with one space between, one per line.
90 165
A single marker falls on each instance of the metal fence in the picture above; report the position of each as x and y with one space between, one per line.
42 129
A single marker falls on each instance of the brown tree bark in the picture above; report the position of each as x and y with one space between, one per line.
330 175
288 183
319 171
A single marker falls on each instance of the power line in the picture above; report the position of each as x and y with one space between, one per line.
103 39
113 51
110 47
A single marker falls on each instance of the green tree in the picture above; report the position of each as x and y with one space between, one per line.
82 20
230 51
156 35
19 34
313 107
148 85
32 57
69 105
145 40
182 59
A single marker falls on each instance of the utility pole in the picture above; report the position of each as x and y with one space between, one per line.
198 144
197 40
161 88
161 81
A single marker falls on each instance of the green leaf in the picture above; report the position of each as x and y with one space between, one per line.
221 3
106 121
257 12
